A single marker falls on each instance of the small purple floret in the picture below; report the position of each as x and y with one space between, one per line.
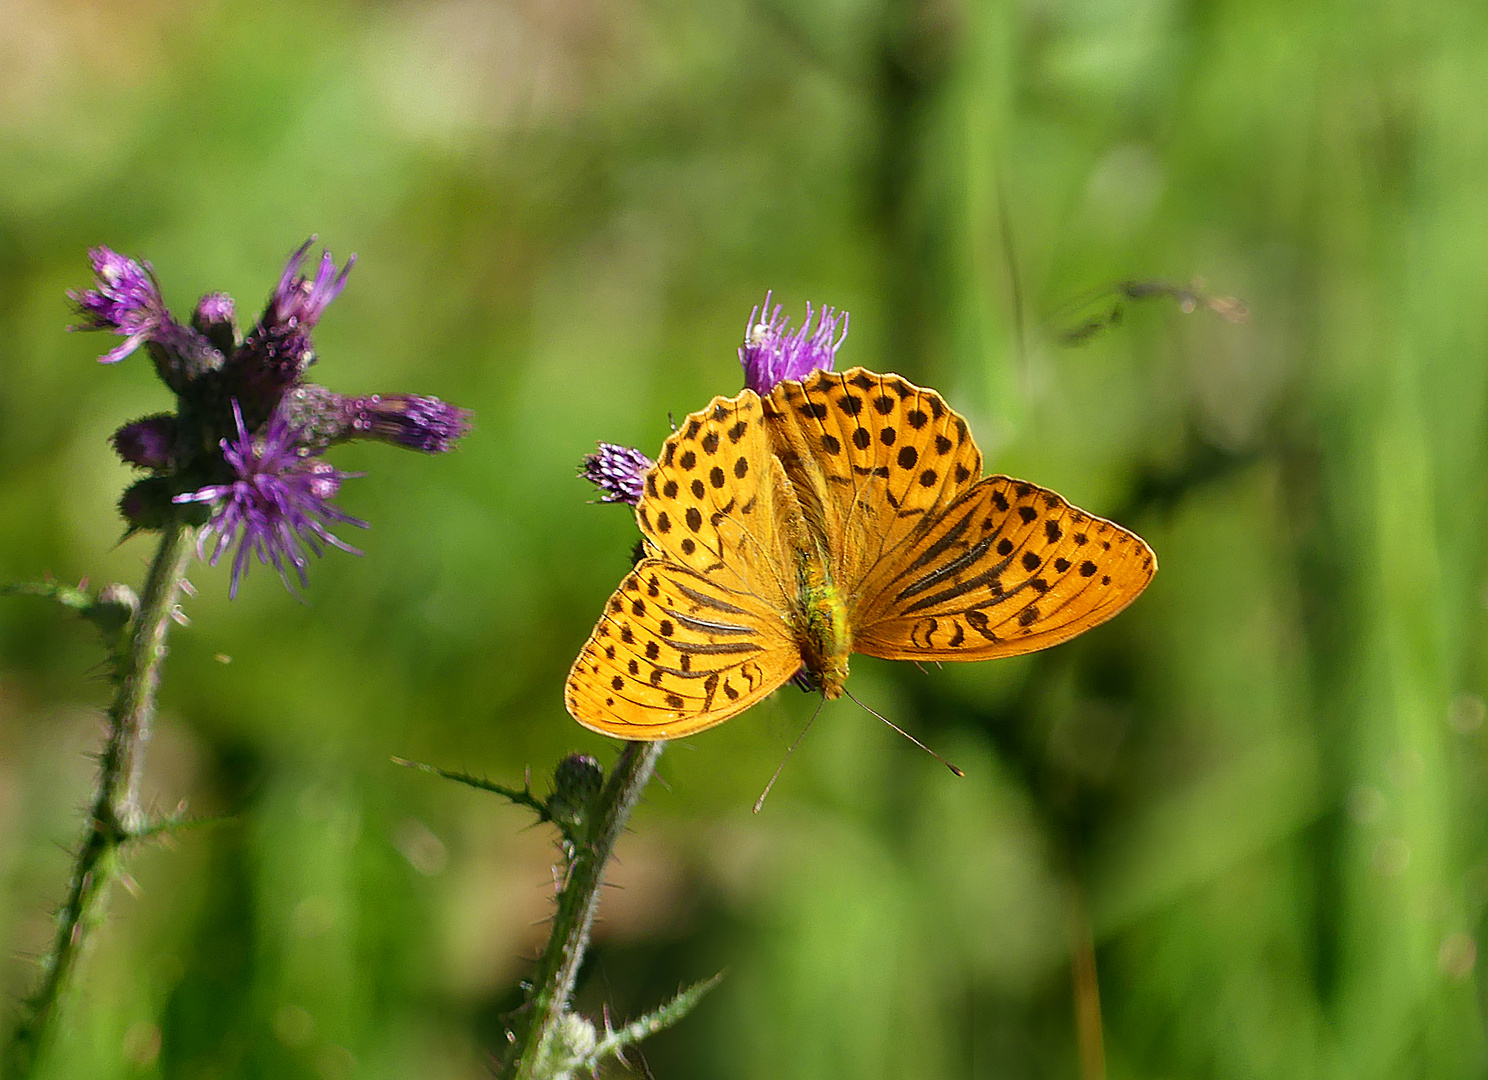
126 301
618 471
215 308
216 317
412 421
299 301
772 352
278 508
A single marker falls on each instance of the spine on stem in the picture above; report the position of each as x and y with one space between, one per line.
116 815
538 1025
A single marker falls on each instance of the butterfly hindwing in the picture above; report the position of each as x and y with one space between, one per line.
675 653
1009 568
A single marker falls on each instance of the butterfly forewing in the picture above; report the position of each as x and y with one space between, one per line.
711 504
674 653
891 457
1009 568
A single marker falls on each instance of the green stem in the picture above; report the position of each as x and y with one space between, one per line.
116 817
558 966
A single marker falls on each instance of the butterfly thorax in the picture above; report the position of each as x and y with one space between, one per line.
822 630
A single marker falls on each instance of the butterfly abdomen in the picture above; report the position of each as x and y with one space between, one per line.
824 638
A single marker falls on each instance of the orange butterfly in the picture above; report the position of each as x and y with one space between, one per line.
843 513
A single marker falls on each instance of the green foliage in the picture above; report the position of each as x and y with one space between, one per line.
1259 793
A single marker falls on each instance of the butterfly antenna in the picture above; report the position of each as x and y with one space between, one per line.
760 802
1015 282
906 734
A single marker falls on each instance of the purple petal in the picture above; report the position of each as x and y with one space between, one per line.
299 301
772 352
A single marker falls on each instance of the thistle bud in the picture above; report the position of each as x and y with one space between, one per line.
148 443
147 504
577 782
216 319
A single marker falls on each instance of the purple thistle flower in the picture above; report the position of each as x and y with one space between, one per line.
618 471
411 421
126 301
245 419
772 352
277 508
298 301
149 443
278 350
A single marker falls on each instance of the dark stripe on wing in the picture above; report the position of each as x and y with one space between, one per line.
720 648
947 540
704 600
706 627
961 588
955 566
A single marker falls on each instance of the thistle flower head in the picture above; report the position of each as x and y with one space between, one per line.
276 507
301 301
242 450
126 301
278 350
773 352
412 421
618 471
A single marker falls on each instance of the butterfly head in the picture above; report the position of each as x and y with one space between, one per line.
828 682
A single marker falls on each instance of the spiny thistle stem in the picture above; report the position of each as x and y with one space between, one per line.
116 816
558 966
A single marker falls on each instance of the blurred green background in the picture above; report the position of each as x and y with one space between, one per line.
1246 819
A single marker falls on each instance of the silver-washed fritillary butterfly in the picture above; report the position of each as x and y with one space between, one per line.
843 513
